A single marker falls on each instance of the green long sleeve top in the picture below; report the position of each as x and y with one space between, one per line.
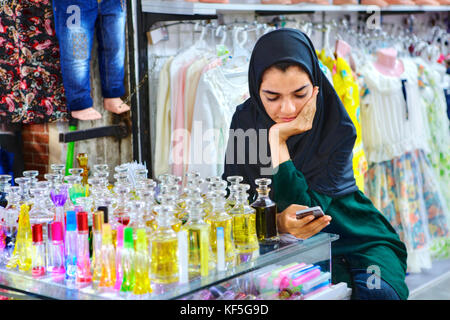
366 238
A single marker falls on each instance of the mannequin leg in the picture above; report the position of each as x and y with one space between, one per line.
74 25
111 50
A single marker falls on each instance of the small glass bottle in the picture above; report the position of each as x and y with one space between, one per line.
108 261
168 200
244 221
11 213
119 251
266 213
142 286
71 249
128 262
57 263
200 257
97 248
121 213
164 248
84 274
219 218
38 267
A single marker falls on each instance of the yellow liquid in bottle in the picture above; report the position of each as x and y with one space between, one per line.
226 222
244 232
142 279
194 232
164 259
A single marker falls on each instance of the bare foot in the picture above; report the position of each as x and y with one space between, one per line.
115 105
86 114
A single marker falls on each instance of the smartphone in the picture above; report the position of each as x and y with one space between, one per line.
315 211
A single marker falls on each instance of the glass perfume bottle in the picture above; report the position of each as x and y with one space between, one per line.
142 286
244 221
164 248
219 218
39 266
24 185
82 159
75 189
70 247
84 274
121 212
97 247
146 193
56 250
200 257
266 213
128 262
168 200
210 181
59 169
23 249
233 180
11 217
108 260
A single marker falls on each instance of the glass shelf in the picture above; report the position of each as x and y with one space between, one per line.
192 8
313 250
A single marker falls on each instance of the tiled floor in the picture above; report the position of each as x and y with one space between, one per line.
433 284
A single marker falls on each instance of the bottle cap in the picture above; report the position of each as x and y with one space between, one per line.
37 232
120 232
98 220
71 221
57 234
82 221
105 213
128 237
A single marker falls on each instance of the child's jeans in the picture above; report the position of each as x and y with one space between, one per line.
76 22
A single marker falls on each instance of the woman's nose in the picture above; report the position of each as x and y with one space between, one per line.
287 107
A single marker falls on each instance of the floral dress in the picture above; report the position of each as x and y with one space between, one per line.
31 89
401 181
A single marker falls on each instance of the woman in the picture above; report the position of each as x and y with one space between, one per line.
310 141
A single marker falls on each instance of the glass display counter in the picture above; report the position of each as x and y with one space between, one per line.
315 250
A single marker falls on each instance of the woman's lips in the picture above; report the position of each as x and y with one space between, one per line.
287 119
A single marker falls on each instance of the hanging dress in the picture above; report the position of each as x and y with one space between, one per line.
400 180
347 88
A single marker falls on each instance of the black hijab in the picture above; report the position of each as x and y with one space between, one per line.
324 153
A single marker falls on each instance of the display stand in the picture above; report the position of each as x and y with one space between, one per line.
315 250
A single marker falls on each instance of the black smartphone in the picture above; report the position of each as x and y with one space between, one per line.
315 211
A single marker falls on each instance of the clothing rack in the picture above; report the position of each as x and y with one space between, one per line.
146 21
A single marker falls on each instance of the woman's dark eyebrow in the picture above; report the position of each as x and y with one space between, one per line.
276 93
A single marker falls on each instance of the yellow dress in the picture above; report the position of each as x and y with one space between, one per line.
347 89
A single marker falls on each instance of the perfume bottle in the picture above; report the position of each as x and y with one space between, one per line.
108 260
82 159
141 286
119 251
23 249
71 249
84 274
163 248
219 218
128 262
233 180
200 257
167 200
244 221
97 248
56 252
121 213
146 193
38 267
266 213
11 217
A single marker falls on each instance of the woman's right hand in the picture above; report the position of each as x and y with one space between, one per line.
305 228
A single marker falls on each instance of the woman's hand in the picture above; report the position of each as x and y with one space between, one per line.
280 132
304 228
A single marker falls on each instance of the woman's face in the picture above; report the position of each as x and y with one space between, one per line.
285 93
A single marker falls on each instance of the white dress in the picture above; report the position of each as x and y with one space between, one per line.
218 95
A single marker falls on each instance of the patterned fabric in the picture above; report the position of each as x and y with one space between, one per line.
435 103
31 89
346 86
406 191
